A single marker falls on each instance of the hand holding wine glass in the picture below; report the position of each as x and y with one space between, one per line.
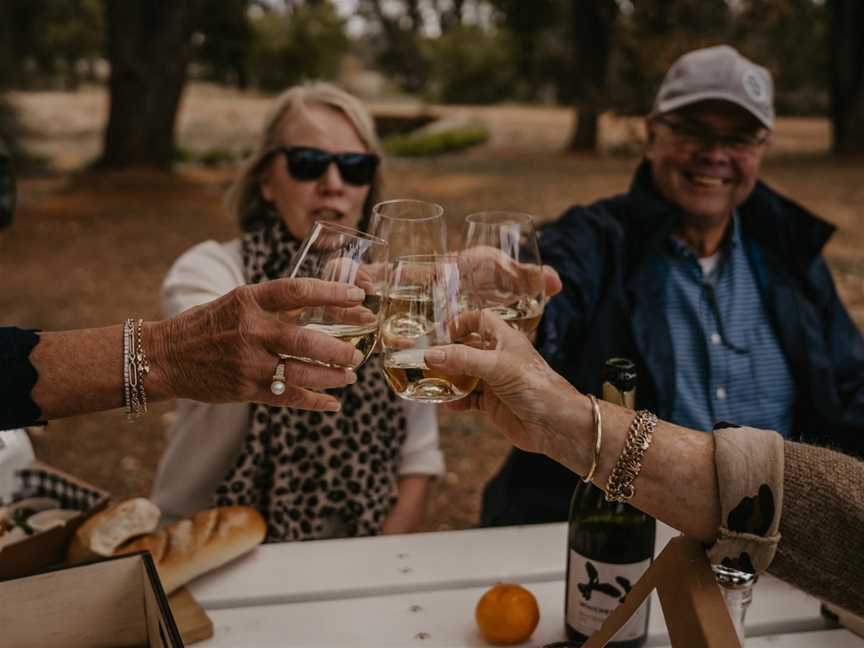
506 275
425 301
522 395
340 254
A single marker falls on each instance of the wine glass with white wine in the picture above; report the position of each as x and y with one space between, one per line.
505 272
425 301
336 253
410 227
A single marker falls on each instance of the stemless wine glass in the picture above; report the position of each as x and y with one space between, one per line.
410 227
422 311
505 272
336 253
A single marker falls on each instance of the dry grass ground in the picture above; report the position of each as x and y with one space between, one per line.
91 250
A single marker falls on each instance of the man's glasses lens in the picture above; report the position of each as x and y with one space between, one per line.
307 164
697 136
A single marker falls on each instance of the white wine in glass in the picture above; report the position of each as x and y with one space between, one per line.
506 274
336 253
424 302
523 315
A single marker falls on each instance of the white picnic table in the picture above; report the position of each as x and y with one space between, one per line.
421 589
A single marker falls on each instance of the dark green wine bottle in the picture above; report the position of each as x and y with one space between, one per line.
610 544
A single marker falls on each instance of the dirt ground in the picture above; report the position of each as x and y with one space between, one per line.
92 250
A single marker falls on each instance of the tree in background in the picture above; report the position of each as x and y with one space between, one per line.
846 56
45 41
399 41
592 27
539 44
306 41
652 34
227 38
149 46
472 65
788 37
566 43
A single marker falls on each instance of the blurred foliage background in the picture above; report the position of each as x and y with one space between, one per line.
480 104
595 55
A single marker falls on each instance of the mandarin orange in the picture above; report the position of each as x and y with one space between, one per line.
507 614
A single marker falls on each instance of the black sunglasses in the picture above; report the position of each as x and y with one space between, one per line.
306 163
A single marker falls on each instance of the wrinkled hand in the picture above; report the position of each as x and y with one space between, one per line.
226 351
495 277
522 395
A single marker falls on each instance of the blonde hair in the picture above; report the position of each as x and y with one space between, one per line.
244 198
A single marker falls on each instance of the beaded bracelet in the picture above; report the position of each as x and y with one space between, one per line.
619 486
135 369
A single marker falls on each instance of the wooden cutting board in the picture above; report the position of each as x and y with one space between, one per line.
192 622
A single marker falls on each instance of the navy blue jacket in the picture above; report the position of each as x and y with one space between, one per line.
612 304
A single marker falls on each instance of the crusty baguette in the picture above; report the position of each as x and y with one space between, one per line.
103 532
195 545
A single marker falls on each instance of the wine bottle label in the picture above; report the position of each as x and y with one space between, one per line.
596 588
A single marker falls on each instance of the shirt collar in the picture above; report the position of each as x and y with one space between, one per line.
731 241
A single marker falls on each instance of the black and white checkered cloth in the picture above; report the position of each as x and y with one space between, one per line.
36 482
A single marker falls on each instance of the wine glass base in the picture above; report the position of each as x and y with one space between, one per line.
432 390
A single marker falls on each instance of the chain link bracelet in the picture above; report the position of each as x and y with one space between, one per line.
619 486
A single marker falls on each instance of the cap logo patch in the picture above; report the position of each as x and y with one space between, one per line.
754 86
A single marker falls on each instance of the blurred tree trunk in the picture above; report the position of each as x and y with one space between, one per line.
149 44
401 29
846 60
7 56
592 27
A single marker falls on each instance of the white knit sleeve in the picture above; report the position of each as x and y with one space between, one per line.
202 274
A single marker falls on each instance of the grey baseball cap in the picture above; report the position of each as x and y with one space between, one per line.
718 72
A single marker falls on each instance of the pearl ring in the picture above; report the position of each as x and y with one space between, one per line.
277 386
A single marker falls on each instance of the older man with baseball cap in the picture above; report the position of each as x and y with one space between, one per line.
709 280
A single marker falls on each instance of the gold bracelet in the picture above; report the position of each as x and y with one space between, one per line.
619 486
142 365
135 369
598 437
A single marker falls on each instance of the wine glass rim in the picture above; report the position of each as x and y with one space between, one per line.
439 210
443 257
350 231
491 216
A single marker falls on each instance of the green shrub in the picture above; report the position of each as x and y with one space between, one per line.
215 157
427 144
182 155
212 157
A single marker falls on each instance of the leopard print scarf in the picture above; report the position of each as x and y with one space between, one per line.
316 475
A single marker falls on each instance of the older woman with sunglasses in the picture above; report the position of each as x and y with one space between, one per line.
360 471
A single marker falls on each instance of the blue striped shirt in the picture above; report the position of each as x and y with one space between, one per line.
728 362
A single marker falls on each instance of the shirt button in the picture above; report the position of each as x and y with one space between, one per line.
715 338
721 393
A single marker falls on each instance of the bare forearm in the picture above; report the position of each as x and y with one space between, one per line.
82 371
678 481
410 510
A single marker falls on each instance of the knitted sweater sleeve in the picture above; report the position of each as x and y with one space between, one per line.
822 525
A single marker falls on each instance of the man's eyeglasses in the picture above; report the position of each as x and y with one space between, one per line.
306 163
697 137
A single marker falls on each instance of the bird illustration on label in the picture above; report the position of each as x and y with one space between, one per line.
594 585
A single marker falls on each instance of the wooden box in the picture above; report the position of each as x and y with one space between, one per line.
116 603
